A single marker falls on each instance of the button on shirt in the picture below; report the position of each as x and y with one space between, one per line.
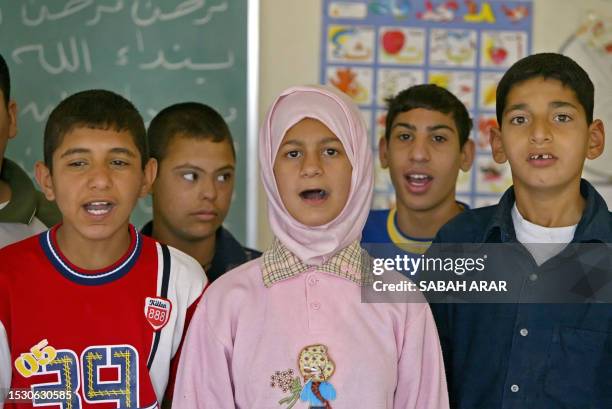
255 322
522 356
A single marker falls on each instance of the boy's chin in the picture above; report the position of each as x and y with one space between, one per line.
544 183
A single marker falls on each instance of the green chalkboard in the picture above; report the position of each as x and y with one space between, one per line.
153 52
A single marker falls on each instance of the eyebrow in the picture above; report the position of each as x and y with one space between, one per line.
79 151
553 104
429 128
189 166
328 139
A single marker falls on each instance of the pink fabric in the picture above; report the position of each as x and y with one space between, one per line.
314 245
386 355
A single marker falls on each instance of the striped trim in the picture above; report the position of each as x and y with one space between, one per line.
63 266
163 294
414 246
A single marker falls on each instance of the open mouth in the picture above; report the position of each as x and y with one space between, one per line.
418 182
98 208
541 159
541 156
314 195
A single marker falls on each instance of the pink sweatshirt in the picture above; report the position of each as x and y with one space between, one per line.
385 355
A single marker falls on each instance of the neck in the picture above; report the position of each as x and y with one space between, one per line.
425 223
92 254
203 250
557 207
5 192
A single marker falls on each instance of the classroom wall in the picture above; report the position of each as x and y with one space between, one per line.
290 31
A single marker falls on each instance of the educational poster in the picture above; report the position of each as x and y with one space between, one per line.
372 49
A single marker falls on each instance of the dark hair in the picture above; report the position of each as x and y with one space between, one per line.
433 98
5 80
190 119
94 109
547 65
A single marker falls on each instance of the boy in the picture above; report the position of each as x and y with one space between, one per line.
23 210
193 189
424 146
536 355
91 312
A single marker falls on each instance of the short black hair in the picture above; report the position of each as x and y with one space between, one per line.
5 80
188 119
548 65
433 98
94 109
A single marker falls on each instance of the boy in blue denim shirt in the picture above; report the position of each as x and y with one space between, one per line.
535 355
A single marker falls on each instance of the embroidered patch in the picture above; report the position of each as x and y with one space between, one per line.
157 311
316 367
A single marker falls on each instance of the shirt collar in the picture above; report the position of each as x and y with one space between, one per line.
594 224
351 263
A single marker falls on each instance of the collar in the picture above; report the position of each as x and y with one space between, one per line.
404 242
22 206
229 253
351 263
594 225
78 275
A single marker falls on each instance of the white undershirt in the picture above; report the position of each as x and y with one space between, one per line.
542 242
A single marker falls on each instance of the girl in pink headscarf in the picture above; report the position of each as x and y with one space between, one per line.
289 329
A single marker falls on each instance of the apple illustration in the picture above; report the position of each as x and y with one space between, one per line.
498 54
393 41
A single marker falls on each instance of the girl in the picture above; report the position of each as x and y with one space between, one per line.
289 329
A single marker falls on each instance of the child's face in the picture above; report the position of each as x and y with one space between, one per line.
8 123
313 173
97 179
193 189
544 135
424 158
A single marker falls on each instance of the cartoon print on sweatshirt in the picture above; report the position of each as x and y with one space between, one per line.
316 367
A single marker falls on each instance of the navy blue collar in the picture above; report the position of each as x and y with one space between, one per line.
73 273
594 225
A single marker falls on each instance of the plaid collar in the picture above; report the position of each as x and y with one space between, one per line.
352 263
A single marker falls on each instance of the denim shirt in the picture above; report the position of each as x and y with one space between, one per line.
521 356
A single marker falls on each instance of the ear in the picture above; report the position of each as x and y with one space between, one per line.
382 152
150 172
597 139
43 177
12 113
157 170
467 155
497 147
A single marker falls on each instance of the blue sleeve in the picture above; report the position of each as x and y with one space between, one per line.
327 391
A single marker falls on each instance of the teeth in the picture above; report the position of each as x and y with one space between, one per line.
418 176
98 208
541 156
97 212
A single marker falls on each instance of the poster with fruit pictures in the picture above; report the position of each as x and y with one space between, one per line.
373 49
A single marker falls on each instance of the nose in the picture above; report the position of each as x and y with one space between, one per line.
540 132
100 178
419 151
208 188
311 165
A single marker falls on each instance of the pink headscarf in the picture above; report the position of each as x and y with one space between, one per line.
315 245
